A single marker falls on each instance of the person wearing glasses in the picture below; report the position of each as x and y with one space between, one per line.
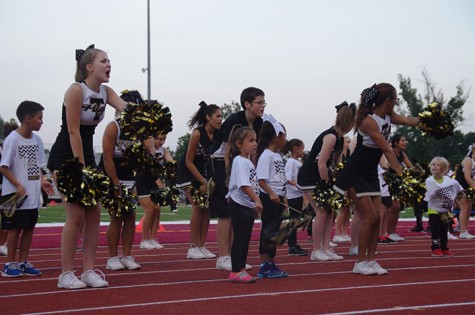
253 104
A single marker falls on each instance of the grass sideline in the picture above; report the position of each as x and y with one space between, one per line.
56 214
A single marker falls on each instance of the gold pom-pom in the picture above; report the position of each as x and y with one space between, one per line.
409 188
119 206
435 122
165 196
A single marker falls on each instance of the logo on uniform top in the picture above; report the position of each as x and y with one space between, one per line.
96 106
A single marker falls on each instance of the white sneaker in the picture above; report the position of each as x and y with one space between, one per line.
94 280
451 237
114 263
339 239
156 244
3 250
333 256
247 267
333 244
319 255
353 251
466 235
68 280
224 263
146 244
129 263
195 253
396 237
207 253
347 237
377 267
362 268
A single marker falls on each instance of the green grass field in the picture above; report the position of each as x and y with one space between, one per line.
56 214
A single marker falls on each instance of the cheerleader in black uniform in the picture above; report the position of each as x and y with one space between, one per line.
466 177
360 175
83 108
191 172
324 155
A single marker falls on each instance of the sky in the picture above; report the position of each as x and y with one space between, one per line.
307 55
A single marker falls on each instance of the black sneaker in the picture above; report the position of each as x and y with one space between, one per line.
417 228
297 251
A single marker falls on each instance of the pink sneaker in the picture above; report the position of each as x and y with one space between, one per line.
241 277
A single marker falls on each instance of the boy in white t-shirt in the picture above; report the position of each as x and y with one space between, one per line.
21 165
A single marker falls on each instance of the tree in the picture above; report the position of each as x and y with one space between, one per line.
229 109
424 148
181 146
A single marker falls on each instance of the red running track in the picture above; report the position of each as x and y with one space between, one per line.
168 283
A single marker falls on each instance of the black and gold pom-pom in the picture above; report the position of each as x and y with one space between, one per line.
119 206
81 185
139 159
409 187
327 198
170 170
467 192
200 199
435 122
148 118
165 196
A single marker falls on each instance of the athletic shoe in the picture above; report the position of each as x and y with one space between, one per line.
333 244
362 268
447 253
417 228
129 263
28 270
297 251
319 255
275 272
114 263
241 277
377 267
347 237
3 250
11 270
224 263
68 280
94 280
156 244
383 239
466 235
353 251
194 253
396 237
333 256
457 229
339 239
146 244
451 237
207 253
248 267
437 253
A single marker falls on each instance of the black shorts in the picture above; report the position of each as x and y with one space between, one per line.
218 205
145 184
21 220
387 201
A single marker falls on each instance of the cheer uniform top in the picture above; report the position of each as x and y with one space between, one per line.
361 170
460 176
92 112
184 176
308 175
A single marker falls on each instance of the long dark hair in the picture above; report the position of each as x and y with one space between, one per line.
266 136
199 118
291 145
372 98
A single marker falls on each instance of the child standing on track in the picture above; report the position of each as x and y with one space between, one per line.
191 172
296 148
272 180
441 195
244 202
22 161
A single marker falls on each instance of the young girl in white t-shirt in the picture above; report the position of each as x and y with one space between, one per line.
244 202
272 180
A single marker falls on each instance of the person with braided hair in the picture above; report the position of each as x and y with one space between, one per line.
359 177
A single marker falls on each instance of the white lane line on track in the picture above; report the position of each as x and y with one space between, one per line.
404 308
392 285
